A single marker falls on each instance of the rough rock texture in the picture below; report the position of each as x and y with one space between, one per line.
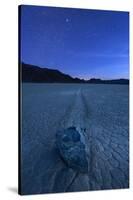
72 149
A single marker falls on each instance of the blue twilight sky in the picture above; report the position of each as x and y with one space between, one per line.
80 42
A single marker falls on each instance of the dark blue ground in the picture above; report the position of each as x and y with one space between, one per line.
100 112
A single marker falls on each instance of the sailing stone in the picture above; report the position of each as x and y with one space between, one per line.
72 149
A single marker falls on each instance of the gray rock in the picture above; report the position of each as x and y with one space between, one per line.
72 149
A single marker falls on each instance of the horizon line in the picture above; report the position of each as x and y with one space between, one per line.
84 79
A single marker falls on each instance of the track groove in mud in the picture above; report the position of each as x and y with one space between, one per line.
102 121
76 116
104 158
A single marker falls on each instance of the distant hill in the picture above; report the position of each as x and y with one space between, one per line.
31 73
114 81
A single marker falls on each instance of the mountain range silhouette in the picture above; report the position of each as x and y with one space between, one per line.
35 74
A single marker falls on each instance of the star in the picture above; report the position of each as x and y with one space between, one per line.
67 20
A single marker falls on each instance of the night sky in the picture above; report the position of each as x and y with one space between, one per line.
81 43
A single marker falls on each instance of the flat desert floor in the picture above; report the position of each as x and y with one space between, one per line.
101 110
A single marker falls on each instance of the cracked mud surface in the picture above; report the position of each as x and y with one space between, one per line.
100 112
